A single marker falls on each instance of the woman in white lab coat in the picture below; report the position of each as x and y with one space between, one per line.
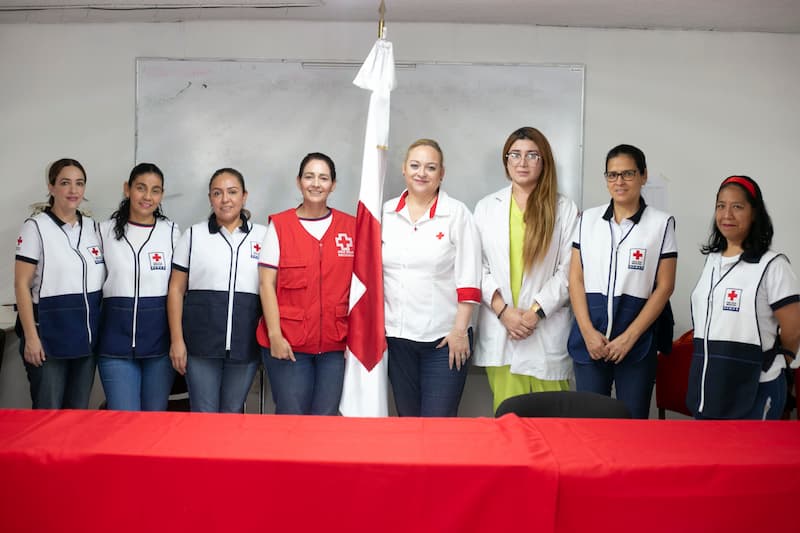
526 231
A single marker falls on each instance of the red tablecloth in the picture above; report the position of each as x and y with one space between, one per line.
115 471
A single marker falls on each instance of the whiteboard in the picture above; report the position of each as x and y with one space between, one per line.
262 117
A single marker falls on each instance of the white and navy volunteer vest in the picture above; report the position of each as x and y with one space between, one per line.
222 306
134 318
728 343
67 305
619 280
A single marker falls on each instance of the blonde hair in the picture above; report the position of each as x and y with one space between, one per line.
426 142
540 209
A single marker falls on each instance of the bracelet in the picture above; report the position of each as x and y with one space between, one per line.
503 310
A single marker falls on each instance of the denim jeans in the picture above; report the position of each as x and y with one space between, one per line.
217 384
60 383
310 385
422 381
136 384
633 381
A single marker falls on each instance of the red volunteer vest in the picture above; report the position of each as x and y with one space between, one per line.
313 283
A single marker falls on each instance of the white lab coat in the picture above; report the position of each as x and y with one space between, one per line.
544 353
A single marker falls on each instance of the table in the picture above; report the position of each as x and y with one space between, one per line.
118 471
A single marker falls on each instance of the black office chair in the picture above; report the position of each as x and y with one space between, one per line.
563 404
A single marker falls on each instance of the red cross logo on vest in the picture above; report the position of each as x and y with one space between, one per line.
344 244
95 252
19 240
636 258
733 300
439 235
255 249
157 261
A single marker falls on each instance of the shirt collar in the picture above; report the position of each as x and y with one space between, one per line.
59 221
214 227
637 216
438 204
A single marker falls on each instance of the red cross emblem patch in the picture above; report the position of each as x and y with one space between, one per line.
636 258
733 300
19 242
95 253
255 249
344 245
157 261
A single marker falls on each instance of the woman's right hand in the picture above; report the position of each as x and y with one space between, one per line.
280 348
177 354
596 344
34 353
513 320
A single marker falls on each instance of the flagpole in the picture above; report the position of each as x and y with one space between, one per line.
365 389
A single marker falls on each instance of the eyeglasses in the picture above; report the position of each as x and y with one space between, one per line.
626 175
515 158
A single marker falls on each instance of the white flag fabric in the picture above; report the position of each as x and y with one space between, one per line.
365 391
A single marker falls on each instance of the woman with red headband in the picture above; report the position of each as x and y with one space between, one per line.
745 310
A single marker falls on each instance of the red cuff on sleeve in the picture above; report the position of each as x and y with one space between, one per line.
469 294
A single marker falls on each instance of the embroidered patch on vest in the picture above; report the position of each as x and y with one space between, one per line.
733 300
157 261
255 249
636 258
344 243
95 252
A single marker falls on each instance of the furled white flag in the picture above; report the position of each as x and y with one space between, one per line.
365 378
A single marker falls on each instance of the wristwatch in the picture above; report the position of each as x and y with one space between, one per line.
536 308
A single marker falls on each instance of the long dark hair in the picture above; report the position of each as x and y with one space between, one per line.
759 238
123 212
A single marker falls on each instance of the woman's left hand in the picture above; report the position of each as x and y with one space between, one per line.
458 342
619 347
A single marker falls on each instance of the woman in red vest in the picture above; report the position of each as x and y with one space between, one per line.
306 266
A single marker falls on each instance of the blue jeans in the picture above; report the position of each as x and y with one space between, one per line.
60 383
769 403
217 384
311 385
136 384
633 381
422 381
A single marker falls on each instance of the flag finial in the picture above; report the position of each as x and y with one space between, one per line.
381 25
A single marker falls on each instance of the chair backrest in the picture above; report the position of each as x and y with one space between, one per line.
563 404
672 377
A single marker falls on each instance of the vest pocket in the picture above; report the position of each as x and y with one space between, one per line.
293 325
341 322
292 277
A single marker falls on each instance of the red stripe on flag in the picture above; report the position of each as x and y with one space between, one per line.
366 336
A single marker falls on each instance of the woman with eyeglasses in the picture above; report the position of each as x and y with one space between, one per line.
526 236
621 277
745 311
431 274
